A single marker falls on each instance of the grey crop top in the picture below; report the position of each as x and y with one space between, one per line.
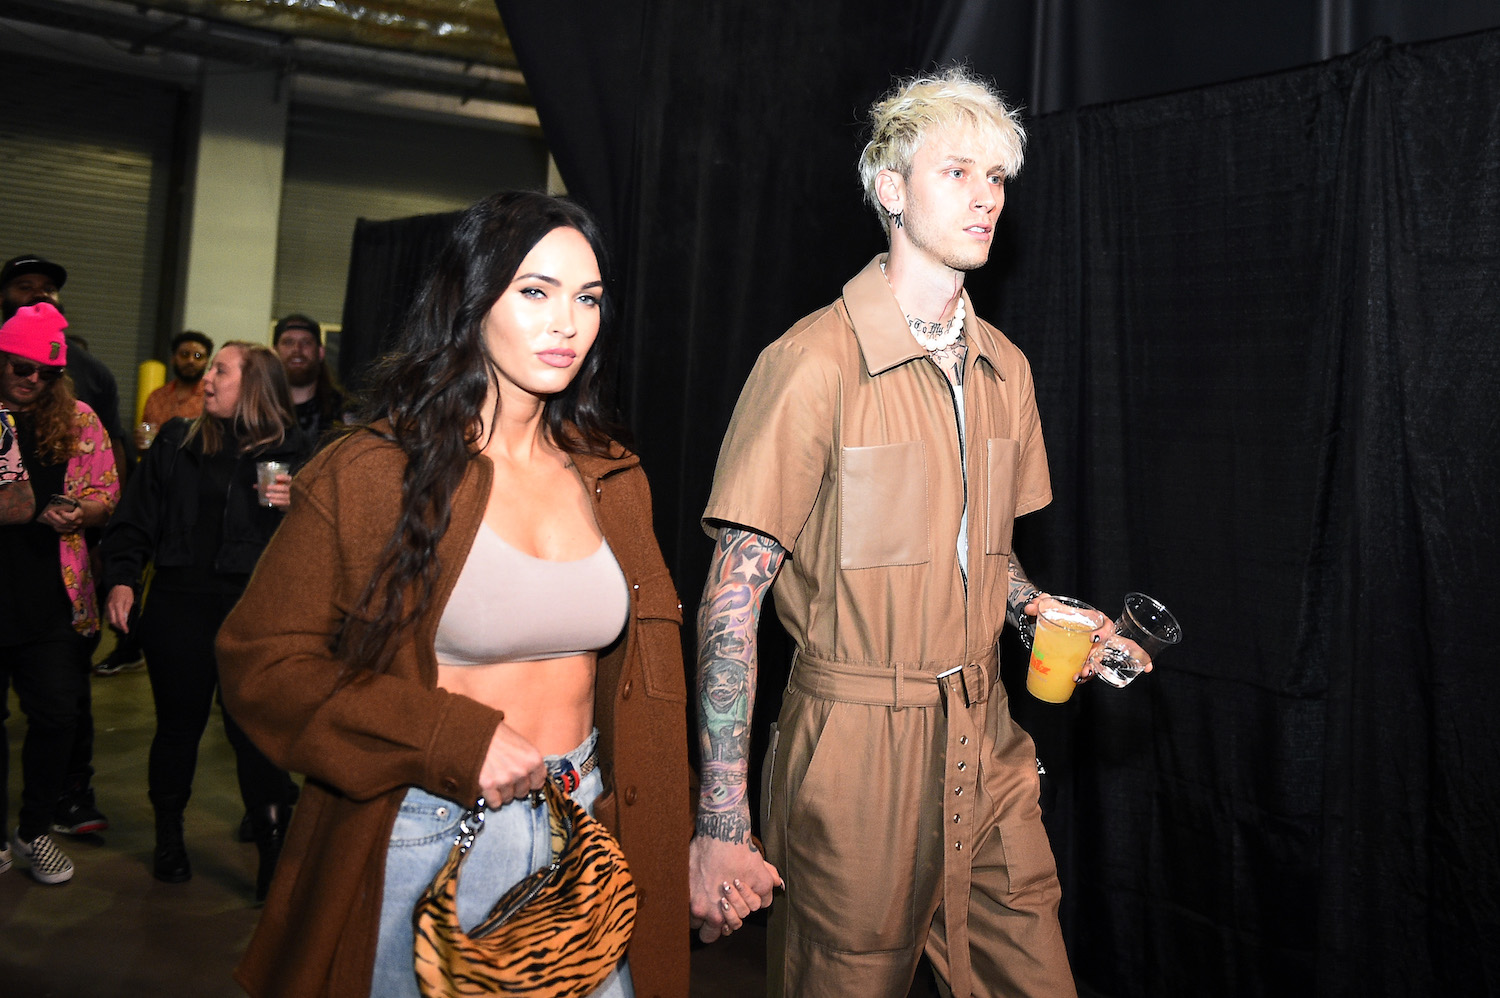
510 607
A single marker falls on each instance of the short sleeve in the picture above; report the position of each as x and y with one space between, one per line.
779 445
1033 482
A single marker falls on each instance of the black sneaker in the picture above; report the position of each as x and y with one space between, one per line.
78 816
115 662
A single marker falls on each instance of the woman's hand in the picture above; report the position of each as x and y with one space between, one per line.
117 606
512 767
278 494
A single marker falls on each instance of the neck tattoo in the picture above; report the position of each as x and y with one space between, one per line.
932 336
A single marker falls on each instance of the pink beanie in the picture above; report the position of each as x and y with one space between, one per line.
35 332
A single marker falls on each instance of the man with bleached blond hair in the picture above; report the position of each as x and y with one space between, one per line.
877 459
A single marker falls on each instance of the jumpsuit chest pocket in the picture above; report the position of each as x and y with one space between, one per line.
883 506
1002 459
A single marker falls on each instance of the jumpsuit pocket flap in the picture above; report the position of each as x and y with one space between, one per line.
1002 457
883 509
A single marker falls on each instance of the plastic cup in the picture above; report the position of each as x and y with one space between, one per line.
1064 637
1150 625
265 476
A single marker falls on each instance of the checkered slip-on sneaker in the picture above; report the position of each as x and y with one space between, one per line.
49 864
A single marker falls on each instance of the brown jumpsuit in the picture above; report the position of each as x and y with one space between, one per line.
903 806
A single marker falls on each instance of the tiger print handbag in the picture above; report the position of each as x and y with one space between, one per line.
556 934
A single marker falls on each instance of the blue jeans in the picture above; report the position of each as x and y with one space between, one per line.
515 842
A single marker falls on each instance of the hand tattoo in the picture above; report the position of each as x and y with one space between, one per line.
743 567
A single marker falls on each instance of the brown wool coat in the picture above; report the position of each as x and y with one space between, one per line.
362 740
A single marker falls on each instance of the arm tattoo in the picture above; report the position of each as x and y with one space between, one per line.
1021 590
743 567
16 503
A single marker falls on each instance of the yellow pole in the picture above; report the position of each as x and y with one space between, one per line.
150 376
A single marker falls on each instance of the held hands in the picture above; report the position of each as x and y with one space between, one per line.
117 607
513 767
728 881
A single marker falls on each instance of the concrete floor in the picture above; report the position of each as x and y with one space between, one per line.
115 932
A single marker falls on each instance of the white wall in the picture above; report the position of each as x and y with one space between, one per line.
235 204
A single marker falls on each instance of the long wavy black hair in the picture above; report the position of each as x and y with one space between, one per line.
432 389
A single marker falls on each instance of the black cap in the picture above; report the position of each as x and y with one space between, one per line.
294 321
29 264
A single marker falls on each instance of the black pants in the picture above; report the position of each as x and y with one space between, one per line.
50 683
81 762
177 632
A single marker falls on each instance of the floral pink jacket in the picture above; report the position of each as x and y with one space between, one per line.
91 474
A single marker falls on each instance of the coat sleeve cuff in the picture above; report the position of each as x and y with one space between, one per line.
459 744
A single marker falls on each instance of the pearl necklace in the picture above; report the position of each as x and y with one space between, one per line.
942 340
929 342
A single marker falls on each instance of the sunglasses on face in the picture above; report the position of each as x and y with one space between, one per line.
25 369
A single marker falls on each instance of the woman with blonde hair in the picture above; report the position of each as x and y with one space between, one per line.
49 611
195 509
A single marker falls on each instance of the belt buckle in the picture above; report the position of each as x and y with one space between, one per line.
963 684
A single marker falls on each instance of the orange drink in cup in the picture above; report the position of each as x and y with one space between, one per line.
1064 631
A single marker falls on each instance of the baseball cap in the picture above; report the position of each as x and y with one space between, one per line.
295 321
28 263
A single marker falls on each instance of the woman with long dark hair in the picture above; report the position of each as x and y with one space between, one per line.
466 600
195 509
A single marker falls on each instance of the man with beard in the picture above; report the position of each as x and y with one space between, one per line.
319 399
876 461
182 397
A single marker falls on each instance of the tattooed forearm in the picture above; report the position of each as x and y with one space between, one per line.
743 567
1021 590
16 503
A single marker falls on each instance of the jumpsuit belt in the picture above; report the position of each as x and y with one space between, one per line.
956 686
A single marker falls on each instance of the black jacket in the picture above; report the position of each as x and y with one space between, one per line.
155 518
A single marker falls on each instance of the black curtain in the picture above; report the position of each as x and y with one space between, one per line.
1262 319
387 264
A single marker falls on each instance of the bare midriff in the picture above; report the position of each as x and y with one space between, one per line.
549 702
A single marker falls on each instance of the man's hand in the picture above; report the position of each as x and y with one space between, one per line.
1105 638
61 518
727 881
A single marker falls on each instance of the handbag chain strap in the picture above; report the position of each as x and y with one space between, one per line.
469 827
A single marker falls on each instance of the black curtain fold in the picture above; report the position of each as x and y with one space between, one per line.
388 262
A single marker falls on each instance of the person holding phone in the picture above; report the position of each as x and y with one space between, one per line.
46 621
